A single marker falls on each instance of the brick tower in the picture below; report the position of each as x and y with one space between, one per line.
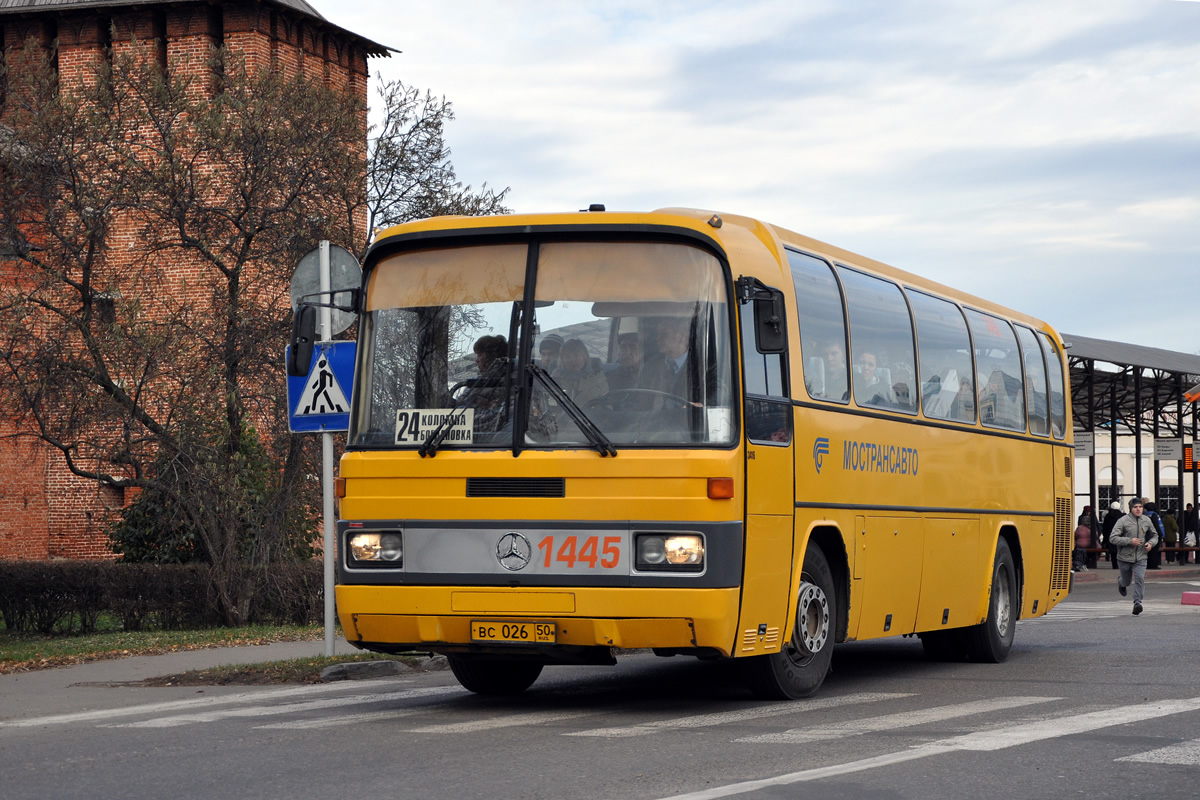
45 511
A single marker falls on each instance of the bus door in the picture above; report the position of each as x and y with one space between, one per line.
770 488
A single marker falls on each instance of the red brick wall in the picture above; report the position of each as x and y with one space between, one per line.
45 511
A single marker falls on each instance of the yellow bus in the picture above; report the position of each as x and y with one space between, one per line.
574 435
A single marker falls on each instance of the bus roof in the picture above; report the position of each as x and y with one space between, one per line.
711 224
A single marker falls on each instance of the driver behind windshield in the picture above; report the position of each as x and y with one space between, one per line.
628 373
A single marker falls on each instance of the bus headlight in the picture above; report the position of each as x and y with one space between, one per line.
674 552
377 547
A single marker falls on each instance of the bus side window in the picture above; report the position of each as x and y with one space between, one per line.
768 409
881 342
944 347
1001 388
822 323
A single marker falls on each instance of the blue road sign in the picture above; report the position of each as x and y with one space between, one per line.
320 402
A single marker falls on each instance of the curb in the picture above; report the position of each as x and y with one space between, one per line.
384 668
1104 573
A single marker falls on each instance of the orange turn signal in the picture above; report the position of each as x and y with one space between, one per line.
720 488
339 487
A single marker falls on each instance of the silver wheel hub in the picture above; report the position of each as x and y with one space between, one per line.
1003 607
812 619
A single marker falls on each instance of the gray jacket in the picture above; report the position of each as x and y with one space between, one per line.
1129 528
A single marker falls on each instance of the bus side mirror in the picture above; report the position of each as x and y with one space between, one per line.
304 334
770 332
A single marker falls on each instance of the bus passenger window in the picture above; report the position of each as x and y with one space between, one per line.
944 346
768 421
1035 382
881 341
1054 386
822 328
997 357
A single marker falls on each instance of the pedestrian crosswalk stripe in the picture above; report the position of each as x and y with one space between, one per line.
351 719
284 708
177 705
905 719
980 741
741 715
509 721
1184 753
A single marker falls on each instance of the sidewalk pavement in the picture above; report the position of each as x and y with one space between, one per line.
1104 572
113 681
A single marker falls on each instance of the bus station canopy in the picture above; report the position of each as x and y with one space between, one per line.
1142 388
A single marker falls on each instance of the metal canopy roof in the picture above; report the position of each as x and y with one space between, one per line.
1131 355
1146 385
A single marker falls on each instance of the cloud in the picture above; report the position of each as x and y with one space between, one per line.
1036 153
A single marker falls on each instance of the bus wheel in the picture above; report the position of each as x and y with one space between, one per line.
494 676
800 668
990 641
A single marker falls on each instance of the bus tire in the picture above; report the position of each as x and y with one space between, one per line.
801 666
990 641
494 676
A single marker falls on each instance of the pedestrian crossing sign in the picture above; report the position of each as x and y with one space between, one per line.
320 401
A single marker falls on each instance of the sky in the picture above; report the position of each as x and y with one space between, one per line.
1042 154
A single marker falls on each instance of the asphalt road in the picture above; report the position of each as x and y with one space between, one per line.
1093 702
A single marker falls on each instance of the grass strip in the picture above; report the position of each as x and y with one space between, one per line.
25 652
293 670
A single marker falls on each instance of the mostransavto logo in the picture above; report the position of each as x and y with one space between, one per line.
820 450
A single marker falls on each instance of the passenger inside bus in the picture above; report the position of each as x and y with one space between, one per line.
872 383
578 375
835 372
486 392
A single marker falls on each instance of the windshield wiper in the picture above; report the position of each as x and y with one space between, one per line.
486 379
601 442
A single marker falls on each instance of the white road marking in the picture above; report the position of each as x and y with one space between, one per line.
352 719
905 719
722 718
1073 612
512 720
997 739
175 705
284 708
1185 753
1081 723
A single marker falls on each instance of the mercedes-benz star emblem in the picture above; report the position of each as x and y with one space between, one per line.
513 551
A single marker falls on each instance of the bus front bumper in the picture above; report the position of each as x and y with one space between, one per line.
439 618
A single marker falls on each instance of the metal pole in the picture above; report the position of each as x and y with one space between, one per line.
327 469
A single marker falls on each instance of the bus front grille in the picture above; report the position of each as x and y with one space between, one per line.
516 487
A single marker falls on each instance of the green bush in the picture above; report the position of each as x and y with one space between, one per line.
71 596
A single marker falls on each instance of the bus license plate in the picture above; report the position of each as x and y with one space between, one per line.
514 632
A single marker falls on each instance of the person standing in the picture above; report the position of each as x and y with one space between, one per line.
1135 536
1170 534
1088 519
1083 539
1110 520
1190 524
1154 559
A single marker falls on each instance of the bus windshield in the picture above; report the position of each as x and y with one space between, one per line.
628 344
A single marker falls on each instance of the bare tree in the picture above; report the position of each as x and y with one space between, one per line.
409 173
149 224
152 225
